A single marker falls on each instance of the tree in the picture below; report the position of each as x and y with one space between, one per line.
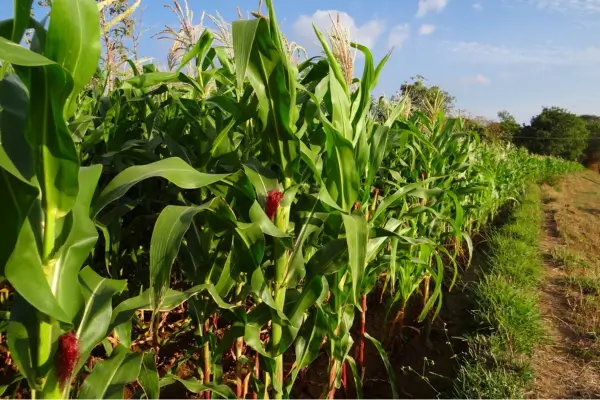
555 132
509 127
425 98
592 151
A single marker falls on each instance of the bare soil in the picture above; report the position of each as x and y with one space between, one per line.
568 364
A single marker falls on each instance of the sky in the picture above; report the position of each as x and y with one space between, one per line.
492 55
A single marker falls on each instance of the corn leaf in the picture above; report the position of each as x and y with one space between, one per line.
173 169
357 234
386 363
73 42
148 377
109 377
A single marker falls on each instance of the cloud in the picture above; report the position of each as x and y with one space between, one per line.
427 6
478 79
585 6
365 34
478 6
398 35
427 29
540 56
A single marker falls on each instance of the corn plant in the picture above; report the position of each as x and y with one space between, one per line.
261 198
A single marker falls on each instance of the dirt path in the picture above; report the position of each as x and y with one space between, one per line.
568 364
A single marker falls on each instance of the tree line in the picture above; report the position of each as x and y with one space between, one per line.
554 132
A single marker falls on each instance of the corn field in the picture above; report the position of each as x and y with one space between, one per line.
236 217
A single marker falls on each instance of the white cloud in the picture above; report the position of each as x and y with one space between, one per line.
585 6
427 29
478 79
427 6
398 35
365 34
540 56
478 6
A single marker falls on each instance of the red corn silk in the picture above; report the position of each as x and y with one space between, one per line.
67 357
273 198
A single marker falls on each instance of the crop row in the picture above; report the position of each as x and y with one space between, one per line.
252 203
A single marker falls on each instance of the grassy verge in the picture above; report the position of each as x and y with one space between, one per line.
498 360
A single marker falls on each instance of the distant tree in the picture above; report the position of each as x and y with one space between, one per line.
509 126
425 98
475 125
592 151
555 132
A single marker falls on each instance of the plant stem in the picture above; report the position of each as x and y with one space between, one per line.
281 259
344 380
361 345
239 344
332 376
206 362
49 233
256 373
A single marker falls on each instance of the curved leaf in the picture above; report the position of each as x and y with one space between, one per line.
173 169
94 322
109 377
387 363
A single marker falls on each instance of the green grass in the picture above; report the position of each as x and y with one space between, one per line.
497 363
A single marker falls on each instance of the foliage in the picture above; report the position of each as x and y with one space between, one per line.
555 132
423 97
509 126
255 198
592 151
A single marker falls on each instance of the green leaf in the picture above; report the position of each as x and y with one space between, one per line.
333 62
173 298
173 169
262 178
196 387
308 342
16 54
148 378
15 203
21 19
386 362
356 376
171 225
263 60
328 259
109 377
14 102
357 234
243 33
199 49
81 238
341 177
25 273
22 337
57 159
94 322
73 42
260 218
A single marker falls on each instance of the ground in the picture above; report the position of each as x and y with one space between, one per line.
567 364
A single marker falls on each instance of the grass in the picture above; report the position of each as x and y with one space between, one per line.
497 362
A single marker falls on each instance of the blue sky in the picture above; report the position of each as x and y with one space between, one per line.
517 55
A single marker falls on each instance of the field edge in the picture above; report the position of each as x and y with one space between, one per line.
497 362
